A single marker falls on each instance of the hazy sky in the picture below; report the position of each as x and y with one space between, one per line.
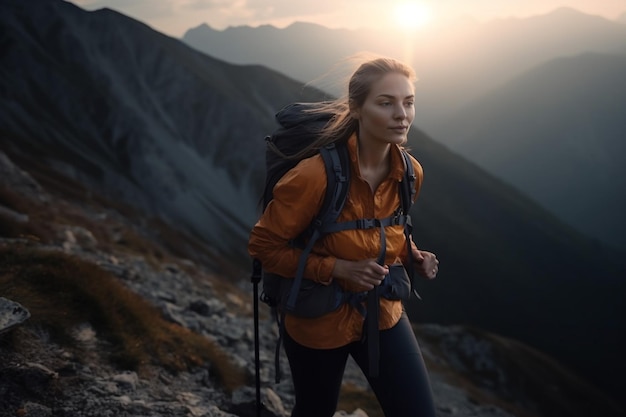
174 17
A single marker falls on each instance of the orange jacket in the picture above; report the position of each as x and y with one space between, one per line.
297 199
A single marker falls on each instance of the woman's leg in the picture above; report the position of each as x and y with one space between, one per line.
403 386
317 375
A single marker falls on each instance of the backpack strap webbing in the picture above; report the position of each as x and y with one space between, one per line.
407 194
407 197
337 163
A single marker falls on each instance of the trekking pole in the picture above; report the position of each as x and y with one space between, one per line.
256 278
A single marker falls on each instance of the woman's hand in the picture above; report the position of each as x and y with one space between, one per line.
426 263
365 274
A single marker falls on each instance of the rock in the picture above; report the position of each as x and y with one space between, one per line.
357 413
244 403
11 314
36 410
44 370
207 307
127 380
80 237
173 313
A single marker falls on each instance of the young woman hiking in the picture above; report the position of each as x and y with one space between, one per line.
373 123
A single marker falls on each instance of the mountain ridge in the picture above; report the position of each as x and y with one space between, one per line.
449 75
142 91
543 118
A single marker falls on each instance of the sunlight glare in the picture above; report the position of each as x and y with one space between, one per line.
411 15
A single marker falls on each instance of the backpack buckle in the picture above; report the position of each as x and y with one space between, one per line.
399 219
365 224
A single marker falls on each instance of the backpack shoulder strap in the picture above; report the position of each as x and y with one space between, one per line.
407 196
407 185
337 163
400 217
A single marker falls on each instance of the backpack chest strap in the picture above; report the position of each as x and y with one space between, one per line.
324 228
365 224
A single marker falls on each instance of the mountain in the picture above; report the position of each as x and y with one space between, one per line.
499 50
132 111
454 81
101 100
275 48
456 61
557 133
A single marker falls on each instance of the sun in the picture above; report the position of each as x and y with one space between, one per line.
411 15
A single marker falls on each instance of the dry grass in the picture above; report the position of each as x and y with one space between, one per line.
62 292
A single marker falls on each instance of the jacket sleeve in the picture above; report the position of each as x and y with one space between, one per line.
298 197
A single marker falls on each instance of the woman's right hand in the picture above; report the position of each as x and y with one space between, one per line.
364 274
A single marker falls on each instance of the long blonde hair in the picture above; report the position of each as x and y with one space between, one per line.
342 125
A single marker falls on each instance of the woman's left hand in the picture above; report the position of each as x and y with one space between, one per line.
426 263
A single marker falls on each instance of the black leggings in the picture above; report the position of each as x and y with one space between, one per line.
402 387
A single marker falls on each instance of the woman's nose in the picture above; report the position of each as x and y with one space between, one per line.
400 113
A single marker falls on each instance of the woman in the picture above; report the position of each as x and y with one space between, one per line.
374 122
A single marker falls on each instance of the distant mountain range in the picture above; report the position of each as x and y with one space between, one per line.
456 61
558 133
546 92
142 117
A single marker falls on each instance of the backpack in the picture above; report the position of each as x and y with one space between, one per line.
298 295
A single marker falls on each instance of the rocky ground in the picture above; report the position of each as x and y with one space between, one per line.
40 378
43 379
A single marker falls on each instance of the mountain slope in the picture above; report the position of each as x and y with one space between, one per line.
514 268
557 133
139 116
85 355
134 111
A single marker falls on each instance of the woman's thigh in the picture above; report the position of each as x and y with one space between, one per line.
316 375
402 386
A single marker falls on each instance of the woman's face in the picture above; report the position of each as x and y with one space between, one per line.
388 110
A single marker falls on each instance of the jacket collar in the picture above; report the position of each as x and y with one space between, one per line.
397 161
